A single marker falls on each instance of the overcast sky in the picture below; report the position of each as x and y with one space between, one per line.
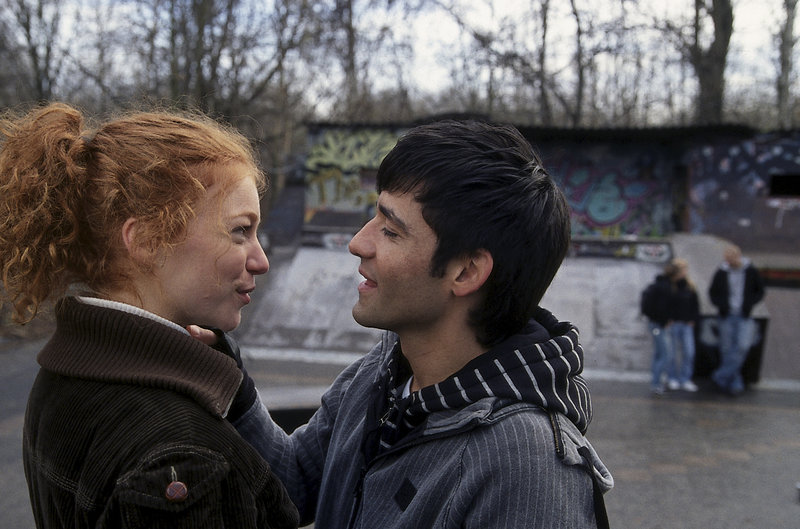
752 54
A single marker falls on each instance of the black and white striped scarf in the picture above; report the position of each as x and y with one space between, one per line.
541 365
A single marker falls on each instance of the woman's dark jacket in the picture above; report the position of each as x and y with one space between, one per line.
125 428
684 305
655 300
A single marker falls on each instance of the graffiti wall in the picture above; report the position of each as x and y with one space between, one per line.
629 185
340 168
649 251
614 191
730 192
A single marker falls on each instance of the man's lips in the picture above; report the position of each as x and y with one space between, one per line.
366 285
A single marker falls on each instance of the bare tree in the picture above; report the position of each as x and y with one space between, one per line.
9 57
344 21
544 95
217 55
537 77
786 41
704 42
580 66
235 59
269 65
709 63
504 71
34 31
357 42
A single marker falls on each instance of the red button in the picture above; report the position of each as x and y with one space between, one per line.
176 491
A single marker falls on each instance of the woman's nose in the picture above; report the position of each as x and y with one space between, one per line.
258 263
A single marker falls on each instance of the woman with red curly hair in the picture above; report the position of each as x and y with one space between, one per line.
135 230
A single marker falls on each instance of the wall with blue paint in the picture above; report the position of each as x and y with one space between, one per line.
614 190
620 184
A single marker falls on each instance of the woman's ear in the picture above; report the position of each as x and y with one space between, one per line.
139 254
129 234
473 271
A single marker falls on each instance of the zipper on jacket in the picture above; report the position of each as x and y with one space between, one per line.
357 494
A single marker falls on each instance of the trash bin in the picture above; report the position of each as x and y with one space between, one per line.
706 360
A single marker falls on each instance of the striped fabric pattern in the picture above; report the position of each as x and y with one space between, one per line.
546 373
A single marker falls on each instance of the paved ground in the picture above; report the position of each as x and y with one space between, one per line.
680 461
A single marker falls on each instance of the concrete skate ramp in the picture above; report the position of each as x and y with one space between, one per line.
307 304
305 307
601 296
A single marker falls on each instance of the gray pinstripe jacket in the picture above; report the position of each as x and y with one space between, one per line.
492 462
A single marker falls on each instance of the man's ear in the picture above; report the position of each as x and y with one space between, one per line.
473 272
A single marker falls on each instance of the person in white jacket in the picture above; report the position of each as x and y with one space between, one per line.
471 411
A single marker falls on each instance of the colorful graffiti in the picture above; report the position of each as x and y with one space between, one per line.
617 189
340 168
617 196
612 192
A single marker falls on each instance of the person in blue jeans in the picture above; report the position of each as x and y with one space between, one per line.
655 307
684 311
735 289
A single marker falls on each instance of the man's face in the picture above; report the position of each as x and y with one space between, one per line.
396 247
733 257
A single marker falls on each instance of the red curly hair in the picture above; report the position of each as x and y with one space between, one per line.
67 189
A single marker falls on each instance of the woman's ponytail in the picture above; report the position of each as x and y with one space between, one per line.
43 174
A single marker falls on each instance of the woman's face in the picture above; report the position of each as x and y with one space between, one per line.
207 279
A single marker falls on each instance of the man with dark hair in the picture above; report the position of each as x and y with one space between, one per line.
471 410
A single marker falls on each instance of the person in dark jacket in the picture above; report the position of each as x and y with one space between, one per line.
471 411
136 229
684 311
655 307
735 289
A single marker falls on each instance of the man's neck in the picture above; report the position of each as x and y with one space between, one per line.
433 360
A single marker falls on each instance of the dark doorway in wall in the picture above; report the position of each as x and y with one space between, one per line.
784 185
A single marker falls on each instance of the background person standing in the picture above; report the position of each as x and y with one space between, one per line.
684 311
735 289
655 307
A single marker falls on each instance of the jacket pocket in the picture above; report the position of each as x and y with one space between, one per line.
174 486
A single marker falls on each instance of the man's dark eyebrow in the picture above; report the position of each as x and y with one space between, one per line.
393 218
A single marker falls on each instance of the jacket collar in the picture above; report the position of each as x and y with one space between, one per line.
541 365
115 346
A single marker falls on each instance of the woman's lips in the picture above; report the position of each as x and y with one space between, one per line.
244 295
